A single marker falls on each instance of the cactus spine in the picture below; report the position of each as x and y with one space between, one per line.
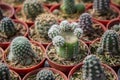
4 72
92 69
65 38
21 51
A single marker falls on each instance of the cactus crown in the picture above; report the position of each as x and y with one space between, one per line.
7 27
45 74
92 69
4 72
21 51
86 22
42 24
32 8
101 6
110 42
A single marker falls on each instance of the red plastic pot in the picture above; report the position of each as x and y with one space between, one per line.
105 22
113 22
63 68
80 66
23 71
8 8
113 3
4 45
52 69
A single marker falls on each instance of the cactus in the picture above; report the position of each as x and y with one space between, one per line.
116 27
109 43
101 6
7 27
4 72
42 24
65 39
86 22
32 8
45 74
17 1
1 14
92 69
21 51
51 0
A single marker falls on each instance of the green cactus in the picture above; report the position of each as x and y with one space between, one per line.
66 39
92 69
4 72
17 1
21 51
1 14
116 27
7 27
42 24
109 43
51 1
32 8
45 74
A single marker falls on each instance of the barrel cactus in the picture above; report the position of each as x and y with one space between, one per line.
101 6
32 8
42 24
109 43
65 38
21 51
4 72
92 69
45 74
7 27
85 22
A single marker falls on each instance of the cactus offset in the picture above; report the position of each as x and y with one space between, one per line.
45 74
7 27
101 6
116 27
66 40
92 69
110 43
21 51
43 23
4 72
32 8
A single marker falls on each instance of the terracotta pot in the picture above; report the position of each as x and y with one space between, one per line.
1 53
105 22
63 68
52 69
23 71
113 22
4 45
113 3
8 8
74 69
16 74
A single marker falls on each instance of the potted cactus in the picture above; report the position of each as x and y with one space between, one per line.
1 54
66 50
24 56
108 48
6 10
30 10
7 74
103 11
92 29
9 29
39 31
45 74
92 69
68 10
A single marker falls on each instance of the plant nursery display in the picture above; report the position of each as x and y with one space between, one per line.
7 74
23 55
66 50
92 69
45 74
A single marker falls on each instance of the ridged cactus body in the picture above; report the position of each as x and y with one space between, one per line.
92 69
66 39
4 72
85 22
32 8
7 27
42 24
101 6
45 74
21 51
110 43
